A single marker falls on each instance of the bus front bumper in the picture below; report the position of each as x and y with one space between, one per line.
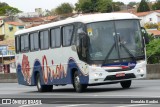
99 75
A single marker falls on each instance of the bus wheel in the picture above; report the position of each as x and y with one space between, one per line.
77 85
42 88
126 84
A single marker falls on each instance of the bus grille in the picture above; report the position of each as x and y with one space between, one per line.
113 77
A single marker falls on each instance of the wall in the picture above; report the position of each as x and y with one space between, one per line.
153 71
146 18
10 33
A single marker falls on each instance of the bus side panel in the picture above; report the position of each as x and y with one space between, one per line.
36 69
59 77
20 77
50 74
84 78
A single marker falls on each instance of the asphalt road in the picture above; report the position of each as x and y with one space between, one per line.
102 96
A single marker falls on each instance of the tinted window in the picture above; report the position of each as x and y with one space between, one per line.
17 44
24 43
55 38
34 41
44 39
67 35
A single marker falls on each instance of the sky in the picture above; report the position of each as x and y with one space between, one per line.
30 5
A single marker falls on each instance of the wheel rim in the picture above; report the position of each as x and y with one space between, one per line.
77 82
38 84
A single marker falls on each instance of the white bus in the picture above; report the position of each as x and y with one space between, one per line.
86 50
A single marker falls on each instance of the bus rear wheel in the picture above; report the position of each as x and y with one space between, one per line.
42 88
77 85
126 84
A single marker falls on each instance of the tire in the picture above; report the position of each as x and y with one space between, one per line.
77 85
126 84
42 88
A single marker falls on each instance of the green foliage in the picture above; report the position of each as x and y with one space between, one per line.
3 4
5 9
143 6
156 6
119 3
116 6
151 26
89 6
64 8
132 4
153 51
158 25
150 36
105 6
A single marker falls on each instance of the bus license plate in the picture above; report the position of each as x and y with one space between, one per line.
120 75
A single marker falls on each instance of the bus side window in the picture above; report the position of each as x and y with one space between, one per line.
44 39
17 44
55 38
24 43
67 35
81 41
34 42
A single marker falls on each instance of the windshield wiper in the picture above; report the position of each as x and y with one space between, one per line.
127 50
107 56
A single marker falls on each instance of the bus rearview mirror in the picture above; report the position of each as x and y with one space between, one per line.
145 35
81 32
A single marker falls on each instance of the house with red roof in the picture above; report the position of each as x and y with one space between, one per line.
154 32
149 17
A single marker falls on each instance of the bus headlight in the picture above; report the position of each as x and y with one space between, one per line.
97 74
94 65
140 70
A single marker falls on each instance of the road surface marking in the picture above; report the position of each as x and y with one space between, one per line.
98 95
29 105
75 105
133 105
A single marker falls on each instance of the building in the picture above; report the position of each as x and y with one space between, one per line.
35 21
1 29
28 14
154 32
31 21
39 11
149 17
11 27
7 29
7 47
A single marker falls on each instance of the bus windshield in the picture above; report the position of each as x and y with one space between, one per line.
114 40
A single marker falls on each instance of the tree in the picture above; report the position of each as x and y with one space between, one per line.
86 6
105 6
51 12
143 6
90 6
3 4
5 9
156 6
64 8
132 4
116 6
153 51
151 26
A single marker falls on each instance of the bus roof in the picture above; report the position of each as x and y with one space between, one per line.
82 18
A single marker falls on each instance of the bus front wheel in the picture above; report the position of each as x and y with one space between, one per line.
42 88
126 84
77 85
